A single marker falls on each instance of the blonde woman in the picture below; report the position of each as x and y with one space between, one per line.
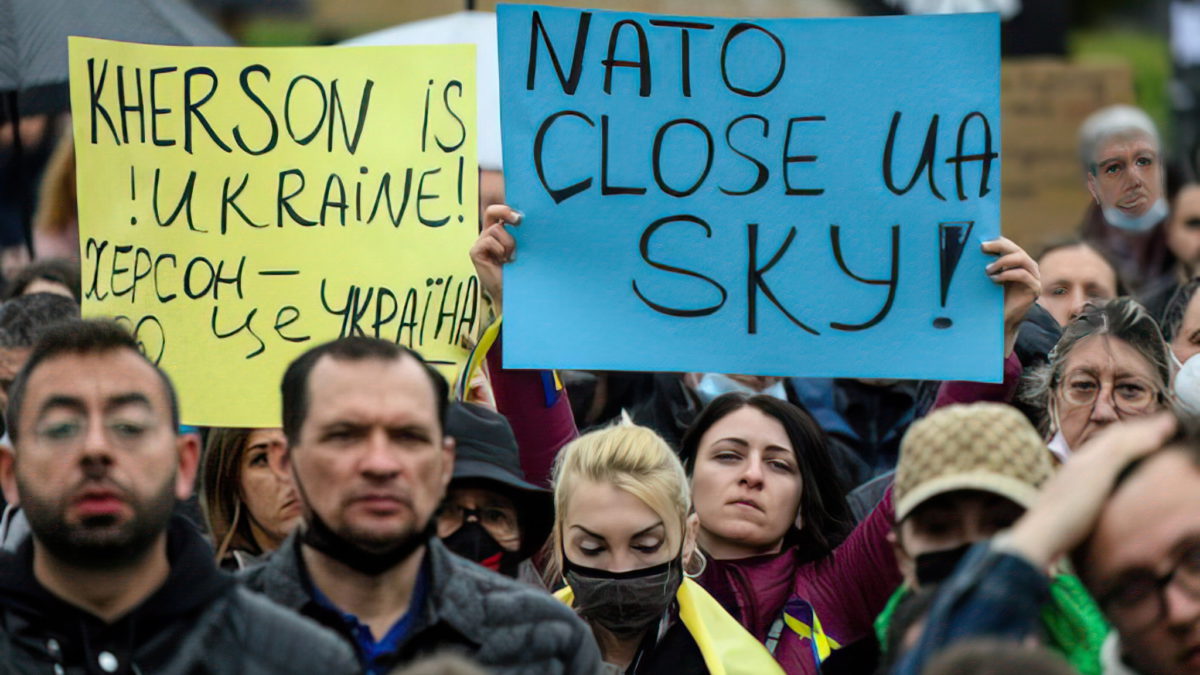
622 541
56 222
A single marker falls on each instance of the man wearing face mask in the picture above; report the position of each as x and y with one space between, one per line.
369 457
673 400
491 515
708 386
1120 152
967 472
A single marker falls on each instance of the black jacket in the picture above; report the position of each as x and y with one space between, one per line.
675 652
504 625
199 621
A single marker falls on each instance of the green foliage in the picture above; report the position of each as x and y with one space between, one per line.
1146 52
278 32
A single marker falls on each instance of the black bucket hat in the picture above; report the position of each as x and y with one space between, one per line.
486 456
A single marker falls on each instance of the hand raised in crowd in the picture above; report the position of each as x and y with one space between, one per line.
1071 501
495 247
1018 273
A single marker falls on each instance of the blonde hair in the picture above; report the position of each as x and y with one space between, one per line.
630 457
57 205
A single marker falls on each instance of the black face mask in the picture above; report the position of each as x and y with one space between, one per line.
936 566
372 563
473 542
625 603
317 534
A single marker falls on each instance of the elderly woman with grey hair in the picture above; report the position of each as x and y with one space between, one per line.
1111 363
1119 150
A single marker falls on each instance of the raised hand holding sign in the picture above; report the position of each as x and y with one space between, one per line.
783 197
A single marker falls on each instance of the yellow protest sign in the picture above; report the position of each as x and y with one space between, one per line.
238 206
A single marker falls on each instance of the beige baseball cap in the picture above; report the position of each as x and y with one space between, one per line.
989 447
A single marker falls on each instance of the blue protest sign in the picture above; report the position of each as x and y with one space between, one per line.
774 197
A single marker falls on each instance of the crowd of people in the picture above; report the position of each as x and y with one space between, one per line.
632 523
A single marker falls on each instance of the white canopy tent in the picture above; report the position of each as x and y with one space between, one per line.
478 28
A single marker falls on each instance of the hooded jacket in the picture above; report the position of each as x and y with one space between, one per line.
1110 656
1071 624
504 625
199 620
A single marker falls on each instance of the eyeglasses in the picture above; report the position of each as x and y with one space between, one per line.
1129 396
500 522
1139 601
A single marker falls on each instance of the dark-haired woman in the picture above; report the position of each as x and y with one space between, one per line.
773 525
250 510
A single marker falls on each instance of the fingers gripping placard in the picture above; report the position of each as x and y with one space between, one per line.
238 206
776 197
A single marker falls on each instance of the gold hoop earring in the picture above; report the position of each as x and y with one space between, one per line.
703 564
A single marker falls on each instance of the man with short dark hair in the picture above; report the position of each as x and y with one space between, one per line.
110 581
370 461
22 321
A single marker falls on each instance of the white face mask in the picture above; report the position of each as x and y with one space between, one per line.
712 385
1187 387
1153 215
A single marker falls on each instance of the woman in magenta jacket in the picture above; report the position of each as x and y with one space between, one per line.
773 524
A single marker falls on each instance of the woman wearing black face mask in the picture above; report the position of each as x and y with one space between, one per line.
491 515
621 543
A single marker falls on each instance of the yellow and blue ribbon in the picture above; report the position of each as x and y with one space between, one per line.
799 616
552 386
475 360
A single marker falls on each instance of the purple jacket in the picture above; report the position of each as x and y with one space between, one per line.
847 589
541 430
950 393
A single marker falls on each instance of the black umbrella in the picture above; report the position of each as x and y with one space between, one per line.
33 49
